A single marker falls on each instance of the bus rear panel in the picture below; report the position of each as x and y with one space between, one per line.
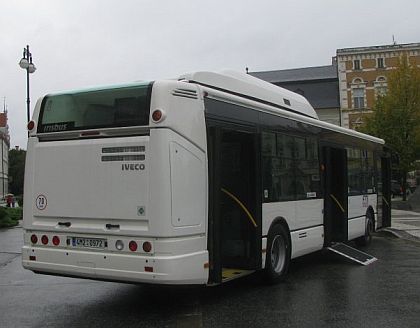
104 181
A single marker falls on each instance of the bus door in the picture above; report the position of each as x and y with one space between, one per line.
335 194
386 190
234 207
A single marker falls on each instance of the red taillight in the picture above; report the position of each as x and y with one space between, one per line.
44 239
34 239
147 246
56 241
31 125
157 116
132 246
148 269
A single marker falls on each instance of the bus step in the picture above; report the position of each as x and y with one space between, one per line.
229 274
352 253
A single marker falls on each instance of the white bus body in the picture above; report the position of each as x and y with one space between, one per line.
112 196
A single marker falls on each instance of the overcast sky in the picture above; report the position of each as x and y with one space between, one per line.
78 43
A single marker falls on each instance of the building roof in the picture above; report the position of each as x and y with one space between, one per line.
298 74
317 84
320 94
374 49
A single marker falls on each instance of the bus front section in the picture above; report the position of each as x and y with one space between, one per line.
116 185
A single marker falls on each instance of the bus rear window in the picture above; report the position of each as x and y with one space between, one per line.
105 108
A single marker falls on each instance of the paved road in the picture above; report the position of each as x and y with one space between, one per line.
322 291
406 223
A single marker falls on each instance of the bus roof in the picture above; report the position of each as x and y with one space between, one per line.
245 85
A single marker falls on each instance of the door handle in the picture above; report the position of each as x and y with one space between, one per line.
64 224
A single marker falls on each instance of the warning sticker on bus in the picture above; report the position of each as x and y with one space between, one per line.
41 202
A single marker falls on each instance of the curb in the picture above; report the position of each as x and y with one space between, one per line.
400 234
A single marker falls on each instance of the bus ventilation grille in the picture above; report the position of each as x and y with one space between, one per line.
124 153
187 93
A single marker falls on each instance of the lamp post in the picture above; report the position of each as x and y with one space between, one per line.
26 63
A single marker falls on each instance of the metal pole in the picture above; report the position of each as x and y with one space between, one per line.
28 101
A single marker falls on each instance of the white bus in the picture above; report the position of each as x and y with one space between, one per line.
193 181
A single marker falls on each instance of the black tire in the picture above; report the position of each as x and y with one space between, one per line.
278 254
367 238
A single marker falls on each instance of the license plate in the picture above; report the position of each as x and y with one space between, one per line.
88 242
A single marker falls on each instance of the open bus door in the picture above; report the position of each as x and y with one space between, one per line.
386 189
335 194
234 240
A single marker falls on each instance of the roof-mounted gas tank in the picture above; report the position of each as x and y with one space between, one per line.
245 85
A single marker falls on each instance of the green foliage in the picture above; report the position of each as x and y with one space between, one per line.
15 213
5 220
396 116
16 171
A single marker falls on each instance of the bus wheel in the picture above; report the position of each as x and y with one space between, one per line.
278 254
367 238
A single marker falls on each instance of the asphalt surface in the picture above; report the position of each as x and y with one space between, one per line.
322 290
405 224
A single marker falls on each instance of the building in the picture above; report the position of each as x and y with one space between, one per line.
363 74
4 152
317 84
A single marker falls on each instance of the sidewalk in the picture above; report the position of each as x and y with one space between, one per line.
405 224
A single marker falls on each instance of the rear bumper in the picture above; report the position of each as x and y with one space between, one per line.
179 269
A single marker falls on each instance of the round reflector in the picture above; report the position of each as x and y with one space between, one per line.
157 115
132 246
119 245
56 241
34 239
31 125
44 239
147 246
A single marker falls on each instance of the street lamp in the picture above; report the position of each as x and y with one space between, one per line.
26 63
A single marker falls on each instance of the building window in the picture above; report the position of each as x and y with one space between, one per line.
356 64
381 86
381 63
381 91
358 98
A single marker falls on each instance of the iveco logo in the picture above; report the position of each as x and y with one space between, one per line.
133 167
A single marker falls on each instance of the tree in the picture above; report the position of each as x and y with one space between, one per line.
396 116
16 170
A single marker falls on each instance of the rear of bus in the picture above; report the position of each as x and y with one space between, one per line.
116 185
